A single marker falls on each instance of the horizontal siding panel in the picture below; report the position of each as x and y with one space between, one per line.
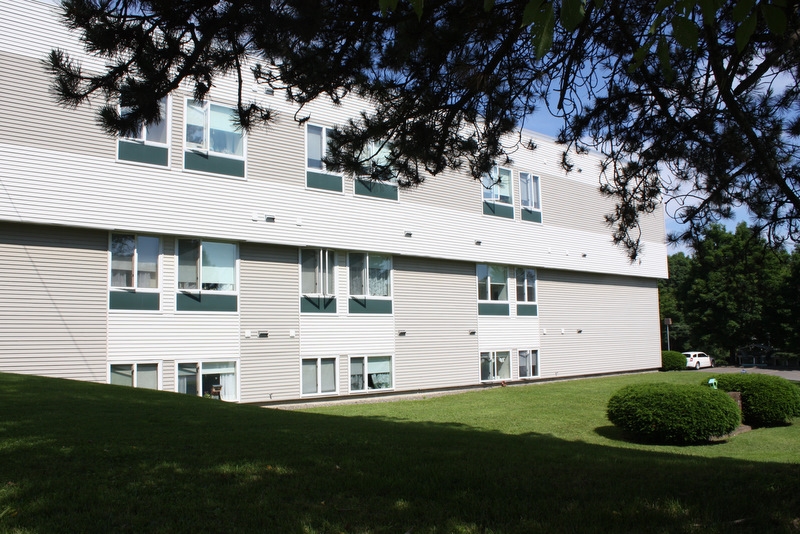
597 324
53 283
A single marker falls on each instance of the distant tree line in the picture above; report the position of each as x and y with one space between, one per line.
733 293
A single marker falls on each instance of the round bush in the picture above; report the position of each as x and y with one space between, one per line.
671 413
672 360
766 400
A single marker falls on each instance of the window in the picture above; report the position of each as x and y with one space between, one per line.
528 363
373 372
146 143
214 142
137 375
492 283
530 197
134 273
370 275
134 261
212 128
208 379
316 266
497 186
156 133
385 183
318 375
317 176
495 365
206 265
526 285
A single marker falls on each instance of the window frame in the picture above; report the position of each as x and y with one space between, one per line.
318 368
199 363
533 190
142 138
206 148
324 149
365 373
134 372
533 363
490 194
525 270
489 266
134 287
324 274
199 267
494 356
365 272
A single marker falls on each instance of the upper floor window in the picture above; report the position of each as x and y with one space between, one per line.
134 261
370 275
497 186
530 197
156 133
492 282
212 128
317 268
206 265
526 285
316 146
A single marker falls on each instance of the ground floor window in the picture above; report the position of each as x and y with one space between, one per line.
528 363
318 375
137 375
496 365
372 372
208 379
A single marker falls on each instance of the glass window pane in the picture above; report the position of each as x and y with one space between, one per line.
309 271
188 263
122 375
309 376
314 141
520 285
122 248
157 132
136 130
187 378
503 365
524 363
356 374
499 289
327 269
357 285
147 261
535 193
195 126
147 375
379 372
504 186
380 268
525 190
224 136
486 366
483 282
219 266
328 374
534 363
487 181
530 285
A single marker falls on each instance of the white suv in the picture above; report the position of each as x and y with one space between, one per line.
696 360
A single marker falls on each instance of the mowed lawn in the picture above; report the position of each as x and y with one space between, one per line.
78 457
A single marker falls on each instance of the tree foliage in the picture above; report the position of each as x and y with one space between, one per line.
733 291
693 102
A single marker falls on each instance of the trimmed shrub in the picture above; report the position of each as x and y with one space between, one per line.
766 400
672 413
672 361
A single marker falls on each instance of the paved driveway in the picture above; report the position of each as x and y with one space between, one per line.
790 374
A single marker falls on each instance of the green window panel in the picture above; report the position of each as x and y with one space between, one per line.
375 189
361 305
131 300
493 308
141 153
317 304
530 310
531 215
206 302
194 161
498 210
328 182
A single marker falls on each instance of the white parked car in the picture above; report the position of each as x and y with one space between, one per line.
696 360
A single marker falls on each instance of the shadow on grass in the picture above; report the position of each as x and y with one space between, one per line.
88 458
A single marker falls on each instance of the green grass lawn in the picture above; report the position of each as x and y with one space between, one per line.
78 457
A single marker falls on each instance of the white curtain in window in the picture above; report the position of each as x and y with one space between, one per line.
380 268
357 286
503 186
503 365
379 371
224 136
187 378
314 140
196 126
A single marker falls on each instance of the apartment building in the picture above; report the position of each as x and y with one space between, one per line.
193 258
